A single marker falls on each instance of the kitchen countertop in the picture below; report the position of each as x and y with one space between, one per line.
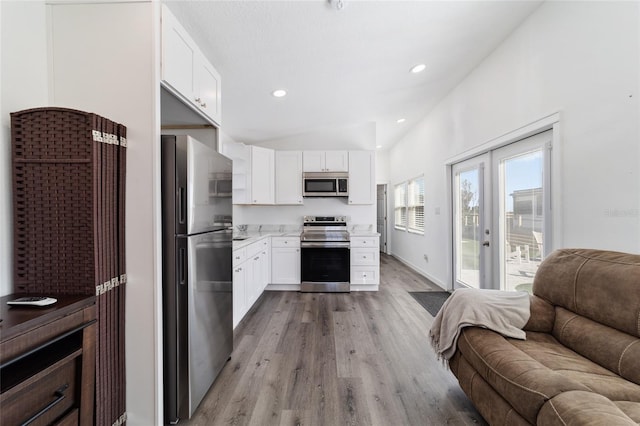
363 233
254 236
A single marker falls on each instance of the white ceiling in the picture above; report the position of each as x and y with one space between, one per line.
344 69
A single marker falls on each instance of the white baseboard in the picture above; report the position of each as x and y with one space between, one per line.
364 287
413 267
296 287
283 287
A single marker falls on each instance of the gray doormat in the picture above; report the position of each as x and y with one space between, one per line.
432 301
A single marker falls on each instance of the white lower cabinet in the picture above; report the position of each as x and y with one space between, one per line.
239 285
251 273
239 294
285 260
365 263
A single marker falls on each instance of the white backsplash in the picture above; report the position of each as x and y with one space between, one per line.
292 215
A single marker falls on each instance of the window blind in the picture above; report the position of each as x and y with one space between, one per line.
400 206
415 204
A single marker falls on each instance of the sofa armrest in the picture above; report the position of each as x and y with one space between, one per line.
582 408
542 317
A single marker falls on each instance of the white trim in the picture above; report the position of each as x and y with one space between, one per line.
523 132
414 268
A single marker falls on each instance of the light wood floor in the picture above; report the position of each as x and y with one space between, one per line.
338 359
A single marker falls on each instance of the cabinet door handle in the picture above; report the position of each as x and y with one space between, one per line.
239 269
198 100
59 394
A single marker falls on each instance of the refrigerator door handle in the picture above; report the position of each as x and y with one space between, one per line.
182 205
182 260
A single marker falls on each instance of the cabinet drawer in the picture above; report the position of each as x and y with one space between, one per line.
239 256
24 343
253 249
52 390
365 275
70 419
365 256
365 241
283 242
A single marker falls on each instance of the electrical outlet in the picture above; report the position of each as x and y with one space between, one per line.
426 258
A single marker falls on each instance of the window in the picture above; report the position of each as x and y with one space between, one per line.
401 206
415 204
409 205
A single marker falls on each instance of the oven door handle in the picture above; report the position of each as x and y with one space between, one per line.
324 244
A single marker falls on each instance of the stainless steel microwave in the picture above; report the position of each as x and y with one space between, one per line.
327 184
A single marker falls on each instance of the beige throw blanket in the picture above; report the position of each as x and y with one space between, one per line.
505 312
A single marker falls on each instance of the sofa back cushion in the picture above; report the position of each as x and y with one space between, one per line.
603 286
614 350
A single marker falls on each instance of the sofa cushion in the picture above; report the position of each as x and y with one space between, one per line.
601 285
543 315
520 379
488 402
617 351
584 409
545 349
631 409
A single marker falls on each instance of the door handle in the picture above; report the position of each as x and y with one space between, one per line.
486 243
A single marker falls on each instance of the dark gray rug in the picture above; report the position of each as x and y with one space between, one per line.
432 301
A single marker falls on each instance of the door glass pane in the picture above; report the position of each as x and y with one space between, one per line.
468 233
522 217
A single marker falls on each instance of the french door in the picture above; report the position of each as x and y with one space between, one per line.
471 221
501 215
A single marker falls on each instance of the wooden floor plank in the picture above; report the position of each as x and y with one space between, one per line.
324 359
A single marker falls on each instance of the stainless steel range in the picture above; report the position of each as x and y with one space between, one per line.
325 254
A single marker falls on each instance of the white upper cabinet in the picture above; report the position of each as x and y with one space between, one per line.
186 72
325 161
262 176
208 90
362 177
253 173
289 177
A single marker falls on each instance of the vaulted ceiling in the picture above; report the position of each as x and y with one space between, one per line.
342 68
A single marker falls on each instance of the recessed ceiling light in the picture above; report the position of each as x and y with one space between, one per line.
279 93
378 146
418 68
401 120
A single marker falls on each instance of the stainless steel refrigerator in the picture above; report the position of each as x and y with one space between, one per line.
197 275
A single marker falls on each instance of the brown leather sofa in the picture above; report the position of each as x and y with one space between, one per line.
580 362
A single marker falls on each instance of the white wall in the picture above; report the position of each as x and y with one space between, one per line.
579 58
354 137
105 61
382 166
23 84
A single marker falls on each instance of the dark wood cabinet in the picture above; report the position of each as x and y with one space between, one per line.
47 362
